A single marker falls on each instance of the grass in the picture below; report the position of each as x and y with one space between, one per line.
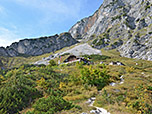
123 98
136 73
129 92
10 62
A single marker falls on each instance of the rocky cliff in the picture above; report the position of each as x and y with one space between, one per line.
33 47
122 24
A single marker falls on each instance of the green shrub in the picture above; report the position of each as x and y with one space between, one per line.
51 105
141 104
100 42
80 64
95 77
96 57
150 32
116 17
16 94
147 7
94 41
52 63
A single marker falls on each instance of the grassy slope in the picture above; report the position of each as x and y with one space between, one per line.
10 62
134 76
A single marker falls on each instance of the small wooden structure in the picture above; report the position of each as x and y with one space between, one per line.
71 58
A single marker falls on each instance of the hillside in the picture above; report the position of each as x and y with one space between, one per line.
76 83
103 65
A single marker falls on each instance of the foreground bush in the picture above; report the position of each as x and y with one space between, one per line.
52 63
95 77
50 105
16 94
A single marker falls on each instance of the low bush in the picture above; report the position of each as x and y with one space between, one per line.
95 77
16 94
52 104
52 63
96 57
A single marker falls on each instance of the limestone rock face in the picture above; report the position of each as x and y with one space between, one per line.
3 52
39 46
122 24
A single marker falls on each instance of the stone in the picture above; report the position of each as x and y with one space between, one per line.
99 111
84 113
112 84
120 63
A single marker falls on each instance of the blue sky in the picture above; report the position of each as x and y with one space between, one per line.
21 19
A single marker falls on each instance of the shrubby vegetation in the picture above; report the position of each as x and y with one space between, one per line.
52 63
96 57
51 104
17 93
86 84
95 77
100 40
20 87
116 17
65 89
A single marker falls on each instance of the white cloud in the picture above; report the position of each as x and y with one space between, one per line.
7 37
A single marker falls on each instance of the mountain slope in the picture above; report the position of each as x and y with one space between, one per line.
39 46
122 24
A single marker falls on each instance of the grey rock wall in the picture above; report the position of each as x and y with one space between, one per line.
126 24
39 46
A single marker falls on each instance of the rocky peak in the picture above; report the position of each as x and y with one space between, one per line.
3 52
122 24
38 46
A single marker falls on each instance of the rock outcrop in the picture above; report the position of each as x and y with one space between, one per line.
39 46
3 52
125 25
